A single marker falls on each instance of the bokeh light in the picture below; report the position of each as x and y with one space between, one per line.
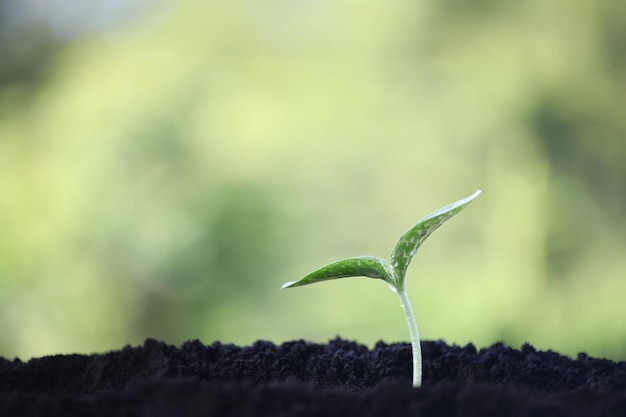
165 166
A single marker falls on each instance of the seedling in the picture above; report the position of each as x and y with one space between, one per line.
393 275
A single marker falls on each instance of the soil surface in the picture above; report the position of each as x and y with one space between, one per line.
340 378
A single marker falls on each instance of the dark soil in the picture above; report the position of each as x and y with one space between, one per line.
304 379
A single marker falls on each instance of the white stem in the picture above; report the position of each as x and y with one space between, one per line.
415 338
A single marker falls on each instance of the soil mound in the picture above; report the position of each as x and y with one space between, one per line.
340 378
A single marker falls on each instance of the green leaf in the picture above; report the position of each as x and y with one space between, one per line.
412 239
366 266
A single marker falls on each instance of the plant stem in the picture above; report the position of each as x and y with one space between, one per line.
415 338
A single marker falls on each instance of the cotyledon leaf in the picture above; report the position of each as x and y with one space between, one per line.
366 266
412 239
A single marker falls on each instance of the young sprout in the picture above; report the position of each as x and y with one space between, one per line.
394 274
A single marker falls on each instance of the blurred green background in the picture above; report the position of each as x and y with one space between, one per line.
166 165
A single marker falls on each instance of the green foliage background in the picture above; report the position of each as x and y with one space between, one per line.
164 177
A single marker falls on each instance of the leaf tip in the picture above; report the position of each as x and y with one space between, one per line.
287 284
469 199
